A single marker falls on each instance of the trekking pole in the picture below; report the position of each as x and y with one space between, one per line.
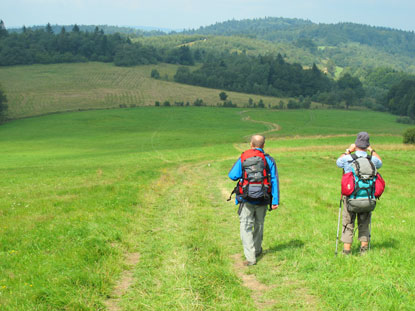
338 225
370 228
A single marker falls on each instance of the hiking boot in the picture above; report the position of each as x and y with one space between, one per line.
364 250
347 252
248 263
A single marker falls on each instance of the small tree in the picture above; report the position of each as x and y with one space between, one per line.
3 106
166 103
75 28
3 30
157 104
155 74
292 104
198 102
223 96
49 29
409 136
261 104
306 104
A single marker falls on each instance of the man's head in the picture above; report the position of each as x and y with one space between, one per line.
362 140
257 141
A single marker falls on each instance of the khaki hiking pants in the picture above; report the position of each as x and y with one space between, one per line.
349 219
252 229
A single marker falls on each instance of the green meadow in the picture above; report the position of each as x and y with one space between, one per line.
125 209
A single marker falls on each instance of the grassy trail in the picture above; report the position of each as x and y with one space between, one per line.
192 260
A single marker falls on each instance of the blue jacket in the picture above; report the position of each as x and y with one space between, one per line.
236 173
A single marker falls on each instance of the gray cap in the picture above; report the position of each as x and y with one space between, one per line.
362 140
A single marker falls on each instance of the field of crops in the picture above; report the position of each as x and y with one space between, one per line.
42 89
125 209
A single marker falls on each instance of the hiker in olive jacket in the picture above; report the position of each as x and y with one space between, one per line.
257 188
360 148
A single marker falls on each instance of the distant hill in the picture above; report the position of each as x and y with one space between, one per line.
285 29
357 46
335 48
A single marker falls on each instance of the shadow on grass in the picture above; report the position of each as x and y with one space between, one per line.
279 247
389 243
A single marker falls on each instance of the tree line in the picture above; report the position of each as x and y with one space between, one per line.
273 76
43 46
400 100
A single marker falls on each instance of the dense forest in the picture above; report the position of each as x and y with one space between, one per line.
258 75
400 99
45 47
268 75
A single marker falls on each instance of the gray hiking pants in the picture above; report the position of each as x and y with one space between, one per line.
252 229
349 219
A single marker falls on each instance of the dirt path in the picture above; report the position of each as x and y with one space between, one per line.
272 127
125 281
250 281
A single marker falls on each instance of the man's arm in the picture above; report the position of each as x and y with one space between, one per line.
274 182
341 162
236 171
377 161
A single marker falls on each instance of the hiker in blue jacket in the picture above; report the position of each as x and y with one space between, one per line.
252 202
360 147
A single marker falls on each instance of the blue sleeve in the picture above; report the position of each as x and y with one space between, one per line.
236 171
275 184
377 162
341 162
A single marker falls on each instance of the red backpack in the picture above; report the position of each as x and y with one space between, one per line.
254 184
349 181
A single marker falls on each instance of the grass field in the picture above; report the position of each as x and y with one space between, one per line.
126 210
41 89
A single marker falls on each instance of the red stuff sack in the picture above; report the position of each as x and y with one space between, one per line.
379 186
348 184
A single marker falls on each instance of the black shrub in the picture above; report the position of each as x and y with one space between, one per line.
409 136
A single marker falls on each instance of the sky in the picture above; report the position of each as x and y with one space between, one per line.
187 14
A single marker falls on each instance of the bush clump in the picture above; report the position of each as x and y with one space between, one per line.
405 120
409 136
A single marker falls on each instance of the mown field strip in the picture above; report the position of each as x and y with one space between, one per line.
83 190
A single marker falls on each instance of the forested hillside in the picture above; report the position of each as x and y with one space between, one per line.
340 65
357 46
311 35
43 46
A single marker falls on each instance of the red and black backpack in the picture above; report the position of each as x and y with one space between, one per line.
255 183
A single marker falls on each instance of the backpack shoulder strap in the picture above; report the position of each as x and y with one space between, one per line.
271 158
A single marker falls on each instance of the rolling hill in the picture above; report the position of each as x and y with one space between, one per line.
42 89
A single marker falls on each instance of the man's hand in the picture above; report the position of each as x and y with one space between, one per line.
274 206
370 149
352 148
